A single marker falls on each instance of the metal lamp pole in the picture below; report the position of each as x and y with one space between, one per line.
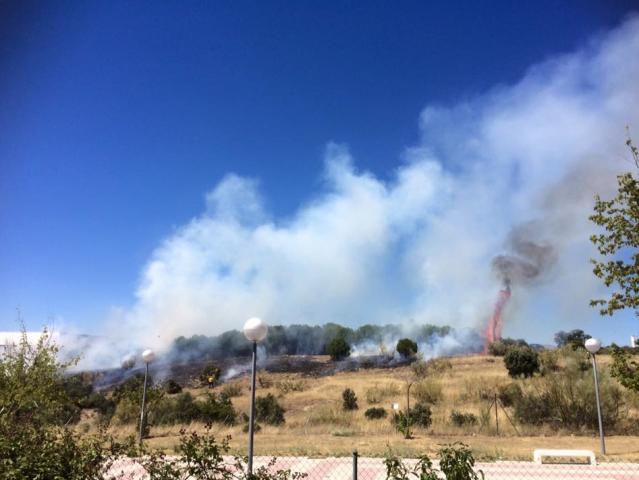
593 345
148 356
255 330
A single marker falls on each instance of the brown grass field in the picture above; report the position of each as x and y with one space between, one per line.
316 425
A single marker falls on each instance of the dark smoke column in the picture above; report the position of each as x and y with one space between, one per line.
493 330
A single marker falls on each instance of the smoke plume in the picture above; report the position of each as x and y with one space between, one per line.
511 172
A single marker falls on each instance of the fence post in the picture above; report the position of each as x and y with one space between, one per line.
354 464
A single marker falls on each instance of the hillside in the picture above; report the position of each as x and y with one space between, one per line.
315 423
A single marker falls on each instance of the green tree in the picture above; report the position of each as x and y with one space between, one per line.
619 245
574 338
34 443
406 347
521 361
338 348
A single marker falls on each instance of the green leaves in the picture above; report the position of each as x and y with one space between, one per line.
619 239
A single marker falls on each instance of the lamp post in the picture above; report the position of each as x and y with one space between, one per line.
255 330
593 345
147 356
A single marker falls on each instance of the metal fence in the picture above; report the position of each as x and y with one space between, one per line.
365 468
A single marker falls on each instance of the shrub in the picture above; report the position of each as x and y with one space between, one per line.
406 347
232 389
218 410
566 400
172 387
378 393
338 348
268 410
202 456
32 398
349 400
456 462
374 413
461 419
434 366
288 384
509 394
420 415
499 348
98 401
521 361
209 371
329 415
180 409
428 391
548 361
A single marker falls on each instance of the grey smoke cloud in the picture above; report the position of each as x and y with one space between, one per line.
421 245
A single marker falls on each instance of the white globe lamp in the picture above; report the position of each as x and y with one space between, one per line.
593 345
255 330
148 356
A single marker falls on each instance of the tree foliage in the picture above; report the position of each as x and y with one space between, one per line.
406 347
521 362
619 243
338 348
574 338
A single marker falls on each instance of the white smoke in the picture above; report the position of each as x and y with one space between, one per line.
364 250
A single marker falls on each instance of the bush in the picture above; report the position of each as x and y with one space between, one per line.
378 393
218 410
172 387
32 399
338 349
456 462
349 400
98 401
420 416
406 347
548 361
428 391
461 419
499 348
202 456
374 413
566 400
291 384
268 410
233 389
521 362
509 394
434 366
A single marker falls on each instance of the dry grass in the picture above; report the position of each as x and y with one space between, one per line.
317 426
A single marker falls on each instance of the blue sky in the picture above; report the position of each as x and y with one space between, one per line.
117 118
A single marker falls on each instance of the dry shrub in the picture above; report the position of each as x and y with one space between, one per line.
329 415
291 384
264 380
379 393
232 389
480 388
434 366
428 391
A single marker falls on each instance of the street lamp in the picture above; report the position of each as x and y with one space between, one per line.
255 330
147 356
593 345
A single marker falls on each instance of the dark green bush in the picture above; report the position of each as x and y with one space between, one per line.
462 419
374 413
419 416
268 410
218 410
456 462
406 347
349 400
521 362
172 387
338 348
